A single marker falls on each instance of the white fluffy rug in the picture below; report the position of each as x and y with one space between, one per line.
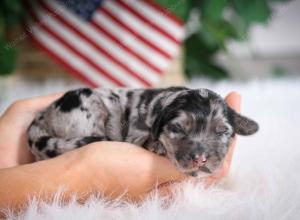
264 182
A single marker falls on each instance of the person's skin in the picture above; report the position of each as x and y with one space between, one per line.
112 169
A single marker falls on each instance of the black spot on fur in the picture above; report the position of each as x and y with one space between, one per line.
114 97
33 123
85 91
83 109
87 140
69 101
41 117
42 142
214 112
126 116
141 125
148 95
51 153
129 95
157 107
193 102
125 122
30 142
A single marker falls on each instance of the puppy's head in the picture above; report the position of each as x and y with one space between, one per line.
196 128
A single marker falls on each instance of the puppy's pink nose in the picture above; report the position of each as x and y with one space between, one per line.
199 159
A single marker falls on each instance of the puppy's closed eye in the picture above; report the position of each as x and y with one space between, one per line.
176 128
221 130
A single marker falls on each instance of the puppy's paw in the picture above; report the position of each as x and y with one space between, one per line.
158 148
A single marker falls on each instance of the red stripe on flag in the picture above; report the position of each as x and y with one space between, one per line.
94 44
134 33
74 50
147 21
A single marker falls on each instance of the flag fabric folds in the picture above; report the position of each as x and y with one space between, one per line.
107 43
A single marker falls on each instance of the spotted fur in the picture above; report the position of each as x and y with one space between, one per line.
193 128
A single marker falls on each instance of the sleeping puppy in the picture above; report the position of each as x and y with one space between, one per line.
191 127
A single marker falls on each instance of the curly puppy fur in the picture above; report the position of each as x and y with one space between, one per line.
193 128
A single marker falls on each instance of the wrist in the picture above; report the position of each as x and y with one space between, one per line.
74 177
84 175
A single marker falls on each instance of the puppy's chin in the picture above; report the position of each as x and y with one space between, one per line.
181 168
198 174
201 174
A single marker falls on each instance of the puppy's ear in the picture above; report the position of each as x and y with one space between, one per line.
242 125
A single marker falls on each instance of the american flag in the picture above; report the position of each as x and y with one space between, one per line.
107 42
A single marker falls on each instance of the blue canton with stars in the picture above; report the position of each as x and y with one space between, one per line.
82 8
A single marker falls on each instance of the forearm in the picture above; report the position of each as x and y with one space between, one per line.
41 179
111 169
131 172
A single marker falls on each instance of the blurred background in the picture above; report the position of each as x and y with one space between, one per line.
52 46
249 46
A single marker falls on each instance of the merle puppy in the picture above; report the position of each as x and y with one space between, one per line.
193 128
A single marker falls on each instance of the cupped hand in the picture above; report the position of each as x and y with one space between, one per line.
13 126
127 168
111 168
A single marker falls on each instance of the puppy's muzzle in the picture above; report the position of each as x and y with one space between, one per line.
199 159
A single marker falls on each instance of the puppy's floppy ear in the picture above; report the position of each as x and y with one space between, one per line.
241 124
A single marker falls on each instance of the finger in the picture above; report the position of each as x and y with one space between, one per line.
165 171
233 99
31 105
20 114
41 102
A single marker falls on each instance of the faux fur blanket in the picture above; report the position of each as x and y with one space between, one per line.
264 181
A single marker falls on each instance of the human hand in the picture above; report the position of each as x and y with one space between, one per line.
13 130
110 167
109 163
137 171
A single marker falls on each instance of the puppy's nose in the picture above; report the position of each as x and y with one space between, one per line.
199 159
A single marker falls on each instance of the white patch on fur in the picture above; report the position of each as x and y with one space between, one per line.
203 93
